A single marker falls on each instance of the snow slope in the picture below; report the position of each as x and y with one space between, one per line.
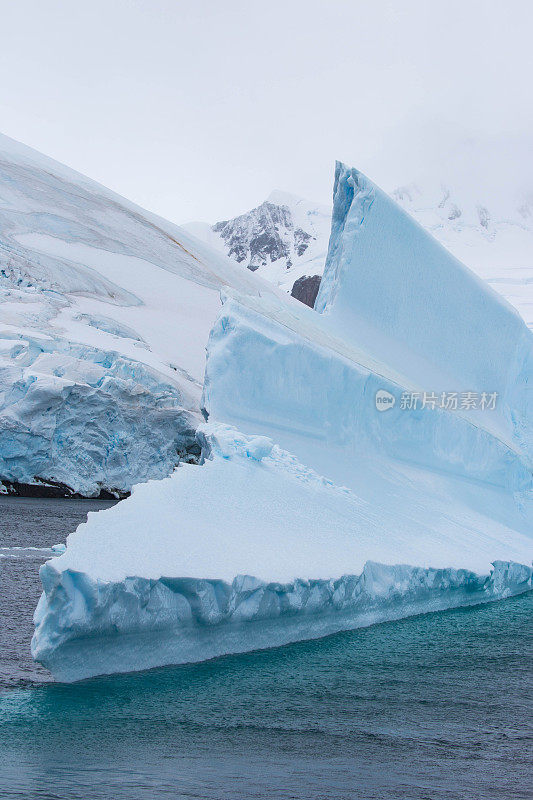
313 510
105 310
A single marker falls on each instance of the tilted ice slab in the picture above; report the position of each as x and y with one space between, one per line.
278 372
249 550
392 289
268 543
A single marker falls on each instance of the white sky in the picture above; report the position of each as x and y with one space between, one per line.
197 110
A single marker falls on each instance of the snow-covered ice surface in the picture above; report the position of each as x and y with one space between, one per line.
313 511
105 310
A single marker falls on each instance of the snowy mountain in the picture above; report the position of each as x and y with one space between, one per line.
286 238
364 461
283 239
105 310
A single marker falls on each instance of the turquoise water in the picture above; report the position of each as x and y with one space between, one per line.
436 707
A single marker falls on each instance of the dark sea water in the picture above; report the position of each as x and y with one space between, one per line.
437 707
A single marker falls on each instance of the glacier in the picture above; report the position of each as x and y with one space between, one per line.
313 511
78 419
105 310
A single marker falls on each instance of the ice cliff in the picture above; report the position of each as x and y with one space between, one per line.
314 509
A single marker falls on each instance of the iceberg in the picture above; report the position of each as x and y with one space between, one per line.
313 510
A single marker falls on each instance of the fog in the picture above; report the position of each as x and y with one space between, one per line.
198 111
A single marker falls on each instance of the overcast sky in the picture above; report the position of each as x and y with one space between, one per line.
198 109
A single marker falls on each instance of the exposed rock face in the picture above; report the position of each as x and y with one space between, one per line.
306 288
264 235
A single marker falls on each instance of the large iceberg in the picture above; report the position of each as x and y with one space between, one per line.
314 510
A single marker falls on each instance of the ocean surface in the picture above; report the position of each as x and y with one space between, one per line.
436 707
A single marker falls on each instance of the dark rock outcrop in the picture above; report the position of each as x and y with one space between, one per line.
56 489
306 288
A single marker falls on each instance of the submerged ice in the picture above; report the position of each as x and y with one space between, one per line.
312 511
